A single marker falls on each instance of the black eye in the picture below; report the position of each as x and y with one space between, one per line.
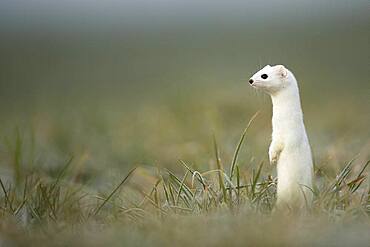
264 76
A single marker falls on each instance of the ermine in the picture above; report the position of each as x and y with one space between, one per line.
289 148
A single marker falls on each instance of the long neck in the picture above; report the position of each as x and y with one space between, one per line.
287 112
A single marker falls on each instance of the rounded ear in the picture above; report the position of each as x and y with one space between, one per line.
282 71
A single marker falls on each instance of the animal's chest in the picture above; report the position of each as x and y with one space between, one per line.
287 131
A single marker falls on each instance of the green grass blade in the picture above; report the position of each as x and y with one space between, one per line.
343 175
114 191
181 186
61 174
238 183
186 189
219 167
356 183
6 196
166 193
241 140
18 156
255 178
194 174
170 189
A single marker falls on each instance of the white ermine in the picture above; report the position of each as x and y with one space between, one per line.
289 149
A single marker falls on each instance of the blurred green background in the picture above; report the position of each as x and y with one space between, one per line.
123 83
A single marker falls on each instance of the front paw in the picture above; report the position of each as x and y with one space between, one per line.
273 159
274 155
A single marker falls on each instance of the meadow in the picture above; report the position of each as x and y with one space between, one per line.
153 137
161 175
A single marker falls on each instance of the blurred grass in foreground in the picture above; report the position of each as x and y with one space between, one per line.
226 203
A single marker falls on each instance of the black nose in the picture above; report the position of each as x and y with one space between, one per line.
250 81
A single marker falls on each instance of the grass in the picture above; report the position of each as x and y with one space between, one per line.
227 203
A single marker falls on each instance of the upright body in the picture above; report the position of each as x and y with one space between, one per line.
290 149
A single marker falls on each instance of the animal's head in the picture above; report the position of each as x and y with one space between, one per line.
272 79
